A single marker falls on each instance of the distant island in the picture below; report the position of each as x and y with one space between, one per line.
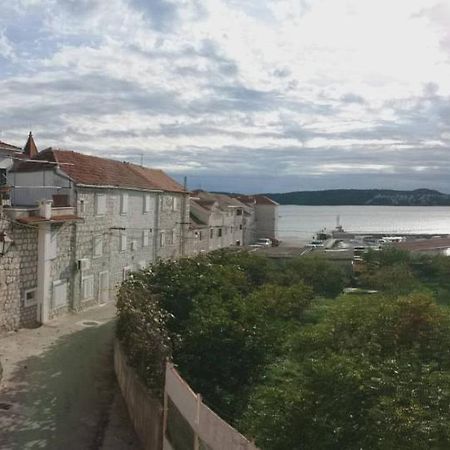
386 197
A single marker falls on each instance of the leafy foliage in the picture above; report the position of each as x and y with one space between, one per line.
275 349
327 279
374 374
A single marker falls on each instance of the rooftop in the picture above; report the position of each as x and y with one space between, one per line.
91 170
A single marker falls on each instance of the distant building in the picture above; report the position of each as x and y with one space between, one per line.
265 221
217 221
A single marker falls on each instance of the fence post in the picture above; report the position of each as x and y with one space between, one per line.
165 406
197 423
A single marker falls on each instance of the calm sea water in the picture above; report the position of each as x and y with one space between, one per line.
298 224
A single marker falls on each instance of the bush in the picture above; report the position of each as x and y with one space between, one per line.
142 330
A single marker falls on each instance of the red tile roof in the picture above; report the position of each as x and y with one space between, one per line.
256 199
95 171
9 147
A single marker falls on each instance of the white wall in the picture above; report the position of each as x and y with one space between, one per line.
31 187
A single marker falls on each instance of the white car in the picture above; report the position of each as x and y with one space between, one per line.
262 242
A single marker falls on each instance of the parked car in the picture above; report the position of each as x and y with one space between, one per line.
262 242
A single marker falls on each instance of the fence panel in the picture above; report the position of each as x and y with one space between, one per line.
191 425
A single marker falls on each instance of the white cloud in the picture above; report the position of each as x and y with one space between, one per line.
264 84
6 47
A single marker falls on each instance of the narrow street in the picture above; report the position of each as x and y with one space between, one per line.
59 389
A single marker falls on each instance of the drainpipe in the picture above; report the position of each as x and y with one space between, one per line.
156 227
44 262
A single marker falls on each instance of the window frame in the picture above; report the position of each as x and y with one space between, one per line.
26 302
100 204
95 241
84 279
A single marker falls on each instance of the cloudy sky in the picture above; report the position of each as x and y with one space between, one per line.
242 95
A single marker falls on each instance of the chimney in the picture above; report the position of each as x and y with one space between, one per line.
45 209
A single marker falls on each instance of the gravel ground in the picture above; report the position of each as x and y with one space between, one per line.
59 389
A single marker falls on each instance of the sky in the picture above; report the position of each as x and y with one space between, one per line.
237 95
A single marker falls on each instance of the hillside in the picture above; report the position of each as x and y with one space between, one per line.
418 197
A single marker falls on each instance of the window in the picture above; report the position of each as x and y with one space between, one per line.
219 232
87 287
147 202
145 239
100 204
239 212
81 207
211 233
98 246
168 203
200 235
240 226
29 297
170 237
126 272
174 203
123 203
162 239
123 242
59 291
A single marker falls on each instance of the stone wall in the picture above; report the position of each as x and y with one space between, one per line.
109 228
18 274
173 218
63 265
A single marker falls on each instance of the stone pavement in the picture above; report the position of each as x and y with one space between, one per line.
59 389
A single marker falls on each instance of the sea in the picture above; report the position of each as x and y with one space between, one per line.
298 224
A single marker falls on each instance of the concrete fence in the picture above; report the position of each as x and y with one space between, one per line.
184 423
146 413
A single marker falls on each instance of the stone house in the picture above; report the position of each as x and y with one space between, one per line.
97 220
216 222
264 222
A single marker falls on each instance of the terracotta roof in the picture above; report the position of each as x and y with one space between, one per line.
206 204
54 219
207 199
158 178
30 149
9 147
196 222
256 199
95 171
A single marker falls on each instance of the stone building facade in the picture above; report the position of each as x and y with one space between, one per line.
18 277
217 221
107 219
79 225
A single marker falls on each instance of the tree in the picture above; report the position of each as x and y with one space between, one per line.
374 374
227 345
325 277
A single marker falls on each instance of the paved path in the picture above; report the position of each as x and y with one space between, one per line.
59 390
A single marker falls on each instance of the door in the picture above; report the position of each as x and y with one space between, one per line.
103 287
